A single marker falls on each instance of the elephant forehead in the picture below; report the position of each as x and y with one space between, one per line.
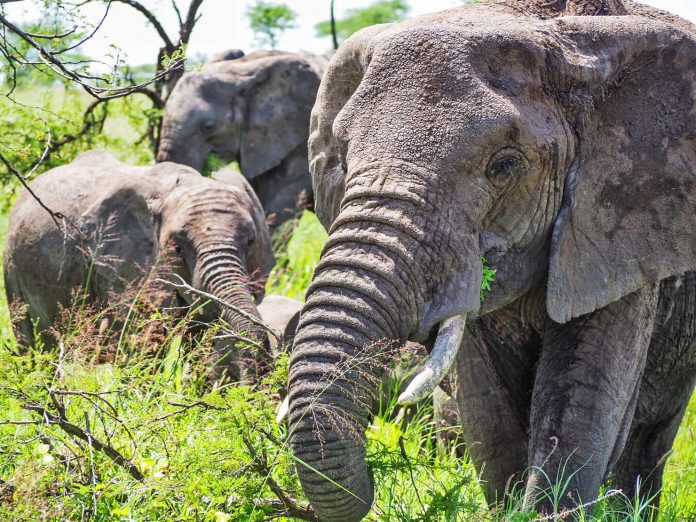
447 39
437 85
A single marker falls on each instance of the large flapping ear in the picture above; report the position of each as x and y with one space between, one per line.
342 78
279 98
260 257
629 210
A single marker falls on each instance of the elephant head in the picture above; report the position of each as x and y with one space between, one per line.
253 109
560 149
221 244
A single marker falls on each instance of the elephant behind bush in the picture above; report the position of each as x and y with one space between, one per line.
119 222
252 109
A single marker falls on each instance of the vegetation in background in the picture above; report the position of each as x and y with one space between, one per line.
297 245
379 12
269 20
46 52
123 422
54 115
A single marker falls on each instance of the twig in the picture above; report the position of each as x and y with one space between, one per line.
188 289
404 455
76 431
290 506
183 408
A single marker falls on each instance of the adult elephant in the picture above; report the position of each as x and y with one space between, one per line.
119 221
253 109
561 147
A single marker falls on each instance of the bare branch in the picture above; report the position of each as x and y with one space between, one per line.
290 506
191 19
57 66
178 13
86 436
55 216
188 289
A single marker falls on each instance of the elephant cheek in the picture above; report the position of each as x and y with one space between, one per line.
459 293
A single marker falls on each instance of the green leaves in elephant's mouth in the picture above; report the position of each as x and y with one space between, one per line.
214 163
488 277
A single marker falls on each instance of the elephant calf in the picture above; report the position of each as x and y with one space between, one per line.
119 221
252 109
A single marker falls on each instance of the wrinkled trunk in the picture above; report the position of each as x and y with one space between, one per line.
392 268
365 299
220 272
179 148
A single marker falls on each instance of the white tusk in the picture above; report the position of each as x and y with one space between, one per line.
283 410
449 337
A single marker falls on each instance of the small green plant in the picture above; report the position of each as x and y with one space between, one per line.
297 245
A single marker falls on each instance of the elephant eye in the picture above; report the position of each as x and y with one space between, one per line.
251 239
208 125
505 164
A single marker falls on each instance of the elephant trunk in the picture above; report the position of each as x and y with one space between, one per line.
176 145
364 299
222 273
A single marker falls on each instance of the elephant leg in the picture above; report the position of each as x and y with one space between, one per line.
493 383
584 399
666 388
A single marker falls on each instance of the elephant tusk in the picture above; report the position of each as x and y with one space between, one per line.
449 337
283 410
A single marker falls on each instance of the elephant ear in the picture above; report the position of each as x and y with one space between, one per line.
279 98
342 78
628 217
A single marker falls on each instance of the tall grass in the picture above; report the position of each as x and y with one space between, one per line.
192 449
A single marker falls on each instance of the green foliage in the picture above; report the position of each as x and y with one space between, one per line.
42 116
297 245
214 163
487 279
379 12
269 20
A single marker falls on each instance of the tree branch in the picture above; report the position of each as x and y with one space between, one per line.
290 506
57 66
74 430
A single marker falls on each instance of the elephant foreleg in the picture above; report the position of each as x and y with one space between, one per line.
667 384
584 399
493 383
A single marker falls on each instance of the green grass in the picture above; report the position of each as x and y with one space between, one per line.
212 453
